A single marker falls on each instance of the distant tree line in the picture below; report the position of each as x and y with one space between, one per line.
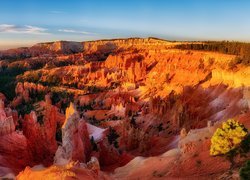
13 57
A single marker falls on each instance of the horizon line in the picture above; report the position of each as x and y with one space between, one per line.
28 45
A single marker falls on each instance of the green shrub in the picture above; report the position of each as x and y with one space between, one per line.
40 119
112 137
245 171
245 146
7 86
59 135
24 108
93 144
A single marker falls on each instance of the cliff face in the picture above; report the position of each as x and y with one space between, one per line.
137 43
63 47
68 47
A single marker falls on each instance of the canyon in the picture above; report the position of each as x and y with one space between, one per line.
136 108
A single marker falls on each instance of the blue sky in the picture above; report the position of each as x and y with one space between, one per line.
25 22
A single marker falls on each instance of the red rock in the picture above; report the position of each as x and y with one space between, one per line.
14 152
7 124
41 137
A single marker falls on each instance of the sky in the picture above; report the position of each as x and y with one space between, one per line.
26 22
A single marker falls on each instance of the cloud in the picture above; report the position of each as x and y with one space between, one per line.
76 32
26 29
67 30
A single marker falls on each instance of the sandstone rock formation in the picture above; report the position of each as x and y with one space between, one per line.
7 125
40 134
75 139
12 144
